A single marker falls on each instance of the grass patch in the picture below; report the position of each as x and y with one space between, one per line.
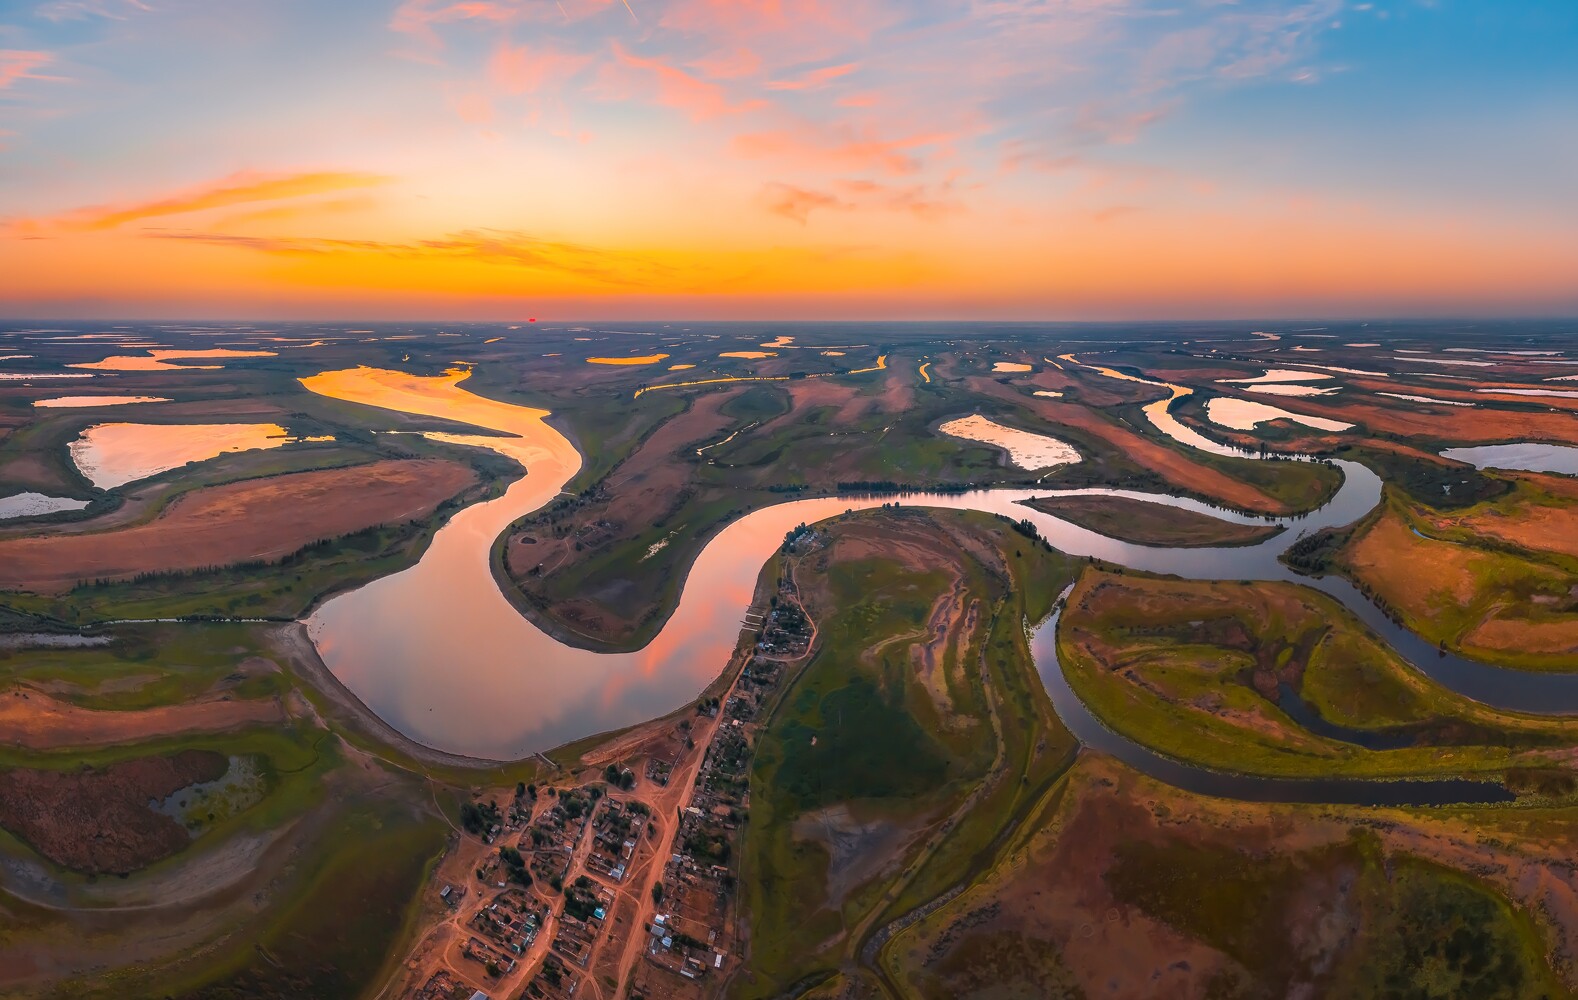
146 666
1196 670
1152 523
853 742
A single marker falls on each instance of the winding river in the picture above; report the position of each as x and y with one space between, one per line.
439 653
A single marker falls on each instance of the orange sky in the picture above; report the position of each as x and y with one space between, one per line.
768 159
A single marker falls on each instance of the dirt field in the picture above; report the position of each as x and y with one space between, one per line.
98 821
256 519
34 720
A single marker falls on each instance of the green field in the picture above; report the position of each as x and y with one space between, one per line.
858 731
1194 669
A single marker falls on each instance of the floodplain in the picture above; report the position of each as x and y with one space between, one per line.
485 672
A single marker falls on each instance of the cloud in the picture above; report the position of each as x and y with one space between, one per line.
784 32
843 150
730 65
519 70
797 203
505 248
19 64
237 189
1098 124
293 211
81 10
920 200
701 99
815 78
418 17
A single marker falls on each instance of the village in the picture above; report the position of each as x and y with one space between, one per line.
624 885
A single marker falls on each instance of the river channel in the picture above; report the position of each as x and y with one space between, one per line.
439 653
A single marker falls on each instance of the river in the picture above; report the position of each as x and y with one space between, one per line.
440 654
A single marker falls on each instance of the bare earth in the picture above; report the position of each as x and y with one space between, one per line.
34 720
257 519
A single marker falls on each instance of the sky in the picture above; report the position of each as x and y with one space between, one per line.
788 159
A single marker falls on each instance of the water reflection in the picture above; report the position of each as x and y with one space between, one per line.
159 360
439 653
62 402
1527 456
112 455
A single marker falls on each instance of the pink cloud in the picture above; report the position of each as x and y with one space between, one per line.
19 64
699 98
519 70
796 203
815 78
785 32
841 150
916 199
417 17
471 107
732 65
1097 124
866 100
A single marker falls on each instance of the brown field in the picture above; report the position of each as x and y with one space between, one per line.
1445 423
849 402
29 471
34 720
98 821
1061 916
1049 926
1171 465
1486 602
238 522
1162 460
1541 517
1461 391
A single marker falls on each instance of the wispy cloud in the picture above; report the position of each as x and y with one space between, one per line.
814 79
238 189
700 99
522 70
19 64
797 203
839 150
919 200
420 18
504 248
78 10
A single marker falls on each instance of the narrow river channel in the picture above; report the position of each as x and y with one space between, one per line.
439 653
